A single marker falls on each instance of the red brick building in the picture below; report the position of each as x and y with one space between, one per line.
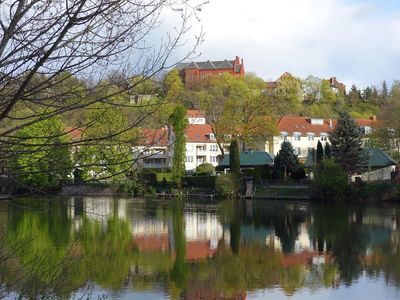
194 71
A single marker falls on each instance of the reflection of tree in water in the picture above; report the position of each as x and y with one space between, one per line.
287 228
179 271
338 228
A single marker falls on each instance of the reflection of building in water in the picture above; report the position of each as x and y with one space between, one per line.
99 209
203 226
202 232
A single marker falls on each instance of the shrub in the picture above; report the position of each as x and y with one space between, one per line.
205 169
225 186
330 181
199 181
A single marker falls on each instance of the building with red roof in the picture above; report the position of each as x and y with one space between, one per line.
304 133
153 149
192 72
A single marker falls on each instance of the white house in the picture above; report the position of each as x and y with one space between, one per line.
304 133
201 143
153 150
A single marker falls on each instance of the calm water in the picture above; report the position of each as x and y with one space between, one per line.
105 247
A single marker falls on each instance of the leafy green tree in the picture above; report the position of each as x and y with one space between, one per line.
312 89
330 180
42 155
327 94
289 93
236 105
225 185
205 169
286 159
109 153
178 120
173 87
234 159
320 152
346 143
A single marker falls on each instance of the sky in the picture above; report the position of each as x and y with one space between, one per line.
358 41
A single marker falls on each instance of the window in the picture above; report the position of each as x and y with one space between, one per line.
297 150
324 137
310 136
284 136
212 136
189 147
297 136
189 159
227 136
213 159
213 148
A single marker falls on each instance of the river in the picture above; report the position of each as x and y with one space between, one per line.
120 248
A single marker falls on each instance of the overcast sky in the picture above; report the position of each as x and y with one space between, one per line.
358 41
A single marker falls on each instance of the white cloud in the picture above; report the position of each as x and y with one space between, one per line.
321 37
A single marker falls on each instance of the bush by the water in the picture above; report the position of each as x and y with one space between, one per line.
226 186
205 169
207 181
330 181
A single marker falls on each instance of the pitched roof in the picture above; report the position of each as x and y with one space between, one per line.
250 158
209 65
74 133
376 158
304 125
194 113
154 137
199 133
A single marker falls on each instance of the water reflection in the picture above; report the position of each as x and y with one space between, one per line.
68 248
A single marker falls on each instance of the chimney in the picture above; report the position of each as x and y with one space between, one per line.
237 60
330 123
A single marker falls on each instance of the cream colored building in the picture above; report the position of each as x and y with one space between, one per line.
304 133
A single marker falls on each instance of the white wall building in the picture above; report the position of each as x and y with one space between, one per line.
304 133
201 143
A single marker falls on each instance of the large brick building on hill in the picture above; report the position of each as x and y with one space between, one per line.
193 71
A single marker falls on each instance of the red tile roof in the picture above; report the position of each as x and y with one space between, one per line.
303 125
74 133
193 113
199 250
154 137
152 242
199 133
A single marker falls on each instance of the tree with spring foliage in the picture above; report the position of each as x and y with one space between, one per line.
179 121
346 143
41 156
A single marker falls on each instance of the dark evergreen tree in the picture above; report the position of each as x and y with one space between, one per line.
234 158
384 93
286 159
320 152
327 150
354 95
346 143
367 94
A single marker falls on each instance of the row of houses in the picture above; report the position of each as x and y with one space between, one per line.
202 147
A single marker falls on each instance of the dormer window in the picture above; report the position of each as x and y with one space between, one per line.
323 136
310 136
212 136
